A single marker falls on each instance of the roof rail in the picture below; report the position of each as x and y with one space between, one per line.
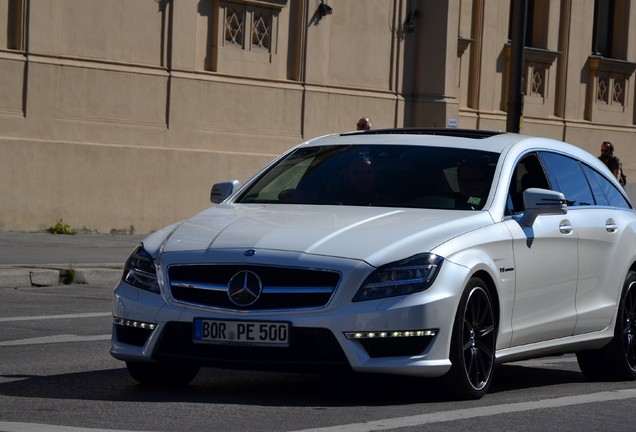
462 133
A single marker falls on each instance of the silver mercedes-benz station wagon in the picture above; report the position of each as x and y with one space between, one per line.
421 252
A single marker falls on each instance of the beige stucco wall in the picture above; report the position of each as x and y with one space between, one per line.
573 125
98 130
118 115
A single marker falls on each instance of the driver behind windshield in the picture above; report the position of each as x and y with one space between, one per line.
359 181
474 184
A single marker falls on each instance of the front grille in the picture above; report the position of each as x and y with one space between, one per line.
282 287
309 349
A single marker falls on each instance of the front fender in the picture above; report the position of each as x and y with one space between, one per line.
488 250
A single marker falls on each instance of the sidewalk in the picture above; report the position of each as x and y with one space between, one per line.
43 259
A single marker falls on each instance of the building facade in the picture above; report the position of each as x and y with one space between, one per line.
119 115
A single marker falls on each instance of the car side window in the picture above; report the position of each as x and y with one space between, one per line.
597 190
528 173
605 192
569 179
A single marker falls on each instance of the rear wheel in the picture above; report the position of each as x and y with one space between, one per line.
472 344
174 373
617 360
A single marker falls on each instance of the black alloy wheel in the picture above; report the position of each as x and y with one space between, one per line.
628 318
473 343
616 361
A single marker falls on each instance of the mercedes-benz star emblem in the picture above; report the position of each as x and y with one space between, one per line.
244 288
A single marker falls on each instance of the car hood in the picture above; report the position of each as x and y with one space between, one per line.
375 235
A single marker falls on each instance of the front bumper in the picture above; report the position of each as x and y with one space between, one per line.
363 336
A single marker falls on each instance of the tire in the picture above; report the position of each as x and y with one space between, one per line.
616 361
472 351
164 373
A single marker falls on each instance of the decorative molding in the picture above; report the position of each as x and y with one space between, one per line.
543 56
608 92
598 64
272 4
539 82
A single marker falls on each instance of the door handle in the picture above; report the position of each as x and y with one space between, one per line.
565 227
611 227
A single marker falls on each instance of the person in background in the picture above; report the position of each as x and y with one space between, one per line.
364 124
612 162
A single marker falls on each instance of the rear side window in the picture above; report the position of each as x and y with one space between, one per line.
568 175
595 185
604 191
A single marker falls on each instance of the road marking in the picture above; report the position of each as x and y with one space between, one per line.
66 316
36 427
56 339
467 413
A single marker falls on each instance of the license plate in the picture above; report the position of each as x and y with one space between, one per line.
251 333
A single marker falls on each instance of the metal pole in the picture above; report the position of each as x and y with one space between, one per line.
515 87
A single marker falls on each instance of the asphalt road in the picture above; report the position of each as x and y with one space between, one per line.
41 249
56 375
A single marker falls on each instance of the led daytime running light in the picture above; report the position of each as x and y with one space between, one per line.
134 324
390 334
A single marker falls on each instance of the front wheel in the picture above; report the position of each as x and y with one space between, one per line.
175 373
617 360
472 351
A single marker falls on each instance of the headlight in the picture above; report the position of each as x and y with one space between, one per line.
140 270
400 278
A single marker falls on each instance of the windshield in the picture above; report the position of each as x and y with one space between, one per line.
378 175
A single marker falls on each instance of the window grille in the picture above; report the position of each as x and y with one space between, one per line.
618 95
234 25
538 81
601 90
261 30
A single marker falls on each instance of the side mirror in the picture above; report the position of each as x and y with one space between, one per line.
542 202
220 191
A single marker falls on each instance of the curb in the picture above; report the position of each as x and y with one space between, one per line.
42 277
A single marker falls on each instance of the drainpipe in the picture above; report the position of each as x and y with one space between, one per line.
515 89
